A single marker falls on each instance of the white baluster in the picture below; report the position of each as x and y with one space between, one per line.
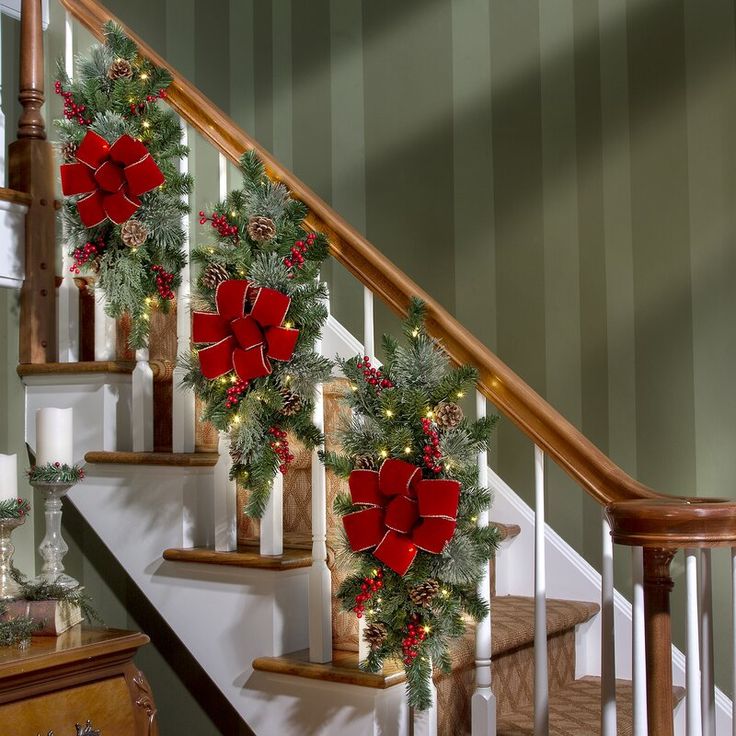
272 522
224 499
608 641
363 646
541 694
483 702
105 330
68 308
425 721
182 416
222 175
638 653
142 403
708 693
369 341
320 583
693 706
733 640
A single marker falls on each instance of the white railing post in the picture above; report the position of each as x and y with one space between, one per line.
733 640
182 410
707 675
320 583
222 175
608 636
369 340
142 403
425 721
483 702
692 663
638 653
224 499
105 330
68 293
541 687
272 522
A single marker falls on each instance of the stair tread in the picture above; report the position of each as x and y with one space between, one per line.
248 557
176 459
513 627
574 710
98 366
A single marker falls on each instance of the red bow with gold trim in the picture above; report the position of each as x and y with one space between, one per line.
243 342
111 176
405 513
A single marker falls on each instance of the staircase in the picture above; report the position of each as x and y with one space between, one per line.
568 655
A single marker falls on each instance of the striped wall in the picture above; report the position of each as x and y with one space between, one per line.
558 173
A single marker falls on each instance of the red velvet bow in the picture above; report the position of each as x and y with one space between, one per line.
243 342
405 513
111 176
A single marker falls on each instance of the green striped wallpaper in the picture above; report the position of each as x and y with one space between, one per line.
558 173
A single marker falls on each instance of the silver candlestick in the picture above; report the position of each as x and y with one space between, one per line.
53 547
9 588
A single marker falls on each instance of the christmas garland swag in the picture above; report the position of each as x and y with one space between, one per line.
257 309
124 194
411 536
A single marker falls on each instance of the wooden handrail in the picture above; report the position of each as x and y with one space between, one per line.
573 452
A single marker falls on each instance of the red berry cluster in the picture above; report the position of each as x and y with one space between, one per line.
138 108
71 109
220 223
84 254
297 252
235 393
416 634
432 447
164 280
372 375
367 588
280 445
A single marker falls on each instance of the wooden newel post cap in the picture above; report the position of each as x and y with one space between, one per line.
674 523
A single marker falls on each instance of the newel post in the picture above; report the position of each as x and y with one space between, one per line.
658 639
31 169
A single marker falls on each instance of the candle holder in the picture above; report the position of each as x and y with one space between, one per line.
9 587
53 547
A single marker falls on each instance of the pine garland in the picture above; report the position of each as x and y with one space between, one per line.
137 264
423 610
257 233
56 473
14 508
16 631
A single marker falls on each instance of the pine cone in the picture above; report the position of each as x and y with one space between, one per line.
261 229
120 69
235 455
292 402
68 151
375 635
364 462
133 233
214 274
422 594
448 415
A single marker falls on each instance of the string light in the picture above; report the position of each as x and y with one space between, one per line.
146 124
384 453
353 387
288 325
460 394
236 419
389 413
233 378
445 593
430 414
415 332
407 449
144 76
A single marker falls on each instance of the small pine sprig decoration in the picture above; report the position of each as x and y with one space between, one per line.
415 600
16 631
124 228
14 508
258 255
55 473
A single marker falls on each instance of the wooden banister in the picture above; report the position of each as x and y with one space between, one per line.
579 457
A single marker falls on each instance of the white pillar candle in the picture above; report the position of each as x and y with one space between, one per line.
54 436
8 477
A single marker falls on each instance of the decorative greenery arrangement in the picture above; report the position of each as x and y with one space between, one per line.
19 630
258 308
14 508
125 195
411 537
56 473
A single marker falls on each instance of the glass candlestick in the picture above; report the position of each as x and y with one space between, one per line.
53 547
9 588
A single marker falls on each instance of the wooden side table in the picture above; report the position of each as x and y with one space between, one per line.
86 674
